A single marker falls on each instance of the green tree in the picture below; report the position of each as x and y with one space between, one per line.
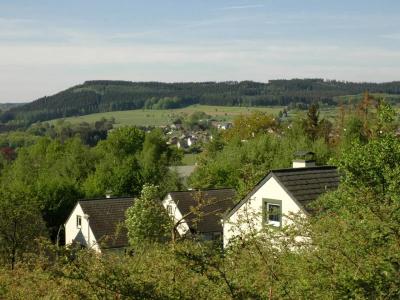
117 168
147 220
311 121
20 223
155 157
53 172
356 234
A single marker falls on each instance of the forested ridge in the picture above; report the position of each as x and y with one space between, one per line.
104 95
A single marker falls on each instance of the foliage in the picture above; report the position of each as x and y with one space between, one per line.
54 173
348 249
128 159
89 133
241 164
147 220
248 126
20 223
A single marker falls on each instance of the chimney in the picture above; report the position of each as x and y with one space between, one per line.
108 194
304 159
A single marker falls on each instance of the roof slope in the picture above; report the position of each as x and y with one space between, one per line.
104 217
304 185
307 184
204 209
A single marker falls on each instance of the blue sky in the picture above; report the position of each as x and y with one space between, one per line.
47 46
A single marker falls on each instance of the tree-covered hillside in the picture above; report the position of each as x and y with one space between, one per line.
103 96
7 106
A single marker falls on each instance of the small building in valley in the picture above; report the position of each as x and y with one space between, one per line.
97 224
199 213
279 194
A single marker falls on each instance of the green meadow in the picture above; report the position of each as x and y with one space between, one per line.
150 117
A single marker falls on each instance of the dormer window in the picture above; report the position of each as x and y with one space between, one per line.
272 212
78 222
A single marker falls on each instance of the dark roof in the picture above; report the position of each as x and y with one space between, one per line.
208 218
307 184
104 217
304 185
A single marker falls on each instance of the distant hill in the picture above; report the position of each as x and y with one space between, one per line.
103 96
7 106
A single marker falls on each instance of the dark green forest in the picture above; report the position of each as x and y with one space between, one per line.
102 96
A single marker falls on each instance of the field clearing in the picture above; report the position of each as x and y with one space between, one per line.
189 159
150 117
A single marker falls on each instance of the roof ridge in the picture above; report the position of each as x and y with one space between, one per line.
200 190
305 169
112 198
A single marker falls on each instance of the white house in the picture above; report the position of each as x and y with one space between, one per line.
95 223
279 194
224 126
199 213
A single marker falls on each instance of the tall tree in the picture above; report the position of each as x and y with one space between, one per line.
311 122
117 167
54 173
147 220
20 222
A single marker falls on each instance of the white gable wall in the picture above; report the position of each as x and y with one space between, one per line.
72 231
248 218
183 227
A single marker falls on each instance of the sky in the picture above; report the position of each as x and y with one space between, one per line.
50 45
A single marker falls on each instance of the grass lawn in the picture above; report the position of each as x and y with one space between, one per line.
189 159
146 117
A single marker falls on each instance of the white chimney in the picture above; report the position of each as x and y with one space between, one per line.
304 159
301 163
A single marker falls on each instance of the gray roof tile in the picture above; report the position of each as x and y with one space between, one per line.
104 217
303 184
307 184
215 204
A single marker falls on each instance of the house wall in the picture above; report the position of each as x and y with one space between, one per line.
183 228
248 218
72 232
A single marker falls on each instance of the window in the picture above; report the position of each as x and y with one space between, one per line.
169 209
273 212
78 222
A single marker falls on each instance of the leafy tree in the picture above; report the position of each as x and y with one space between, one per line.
312 121
117 167
147 220
53 172
20 223
128 159
156 156
248 126
355 235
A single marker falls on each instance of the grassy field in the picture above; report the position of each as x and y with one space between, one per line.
163 117
189 159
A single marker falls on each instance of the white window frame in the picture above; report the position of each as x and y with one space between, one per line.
266 208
